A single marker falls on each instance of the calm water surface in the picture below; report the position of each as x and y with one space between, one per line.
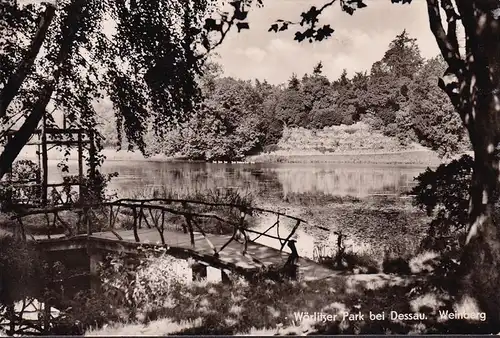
277 179
331 179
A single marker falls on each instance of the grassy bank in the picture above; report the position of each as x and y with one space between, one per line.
422 158
356 143
359 137
416 157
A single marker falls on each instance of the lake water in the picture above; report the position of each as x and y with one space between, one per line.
281 179
139 179
358 180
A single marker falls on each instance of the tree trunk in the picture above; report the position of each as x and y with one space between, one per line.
16 144
481 256
17 78
480 111
22 136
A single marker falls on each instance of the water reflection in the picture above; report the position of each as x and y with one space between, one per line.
262 179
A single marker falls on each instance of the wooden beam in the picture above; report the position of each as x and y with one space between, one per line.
61 184
58 143
173 200
136 235
290 235
92 155
51 131
45 167
80 168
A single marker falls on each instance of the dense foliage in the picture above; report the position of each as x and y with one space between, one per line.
399 97
147 64
444 194
22 171
142 284
21 271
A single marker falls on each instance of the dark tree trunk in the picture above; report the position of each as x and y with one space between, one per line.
22 136
481 259
17 78
472 83
16 144
476 96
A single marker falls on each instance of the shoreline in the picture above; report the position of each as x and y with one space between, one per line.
404 157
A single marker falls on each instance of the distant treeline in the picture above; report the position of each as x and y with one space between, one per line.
398 97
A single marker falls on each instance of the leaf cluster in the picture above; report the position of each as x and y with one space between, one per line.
444 194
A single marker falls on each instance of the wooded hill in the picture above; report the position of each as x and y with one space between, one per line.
399 97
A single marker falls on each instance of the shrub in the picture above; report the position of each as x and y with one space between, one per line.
270 148
444 194
86 309
362 262
396 265
22 171
22 273
423 262
143 285
357 262
97 186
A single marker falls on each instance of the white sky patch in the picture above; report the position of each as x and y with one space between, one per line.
358 41
255 53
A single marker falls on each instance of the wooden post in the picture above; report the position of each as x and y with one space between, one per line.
92 155
162 227
8 175
95 257
44 168
86 217
190 227
199 271
81 188
290 235
22 232
136 235
46 316
38 172
225 277
291 271
291 266
11 314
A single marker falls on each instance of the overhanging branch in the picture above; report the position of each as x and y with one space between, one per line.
451 18
16 79
448 49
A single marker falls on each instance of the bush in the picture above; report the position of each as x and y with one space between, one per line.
144 285
362 262
23 171
444 194
86 309
396 265
22 273
356 262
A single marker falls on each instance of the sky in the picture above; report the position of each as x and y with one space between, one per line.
358 41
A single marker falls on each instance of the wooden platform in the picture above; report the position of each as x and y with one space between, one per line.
231 257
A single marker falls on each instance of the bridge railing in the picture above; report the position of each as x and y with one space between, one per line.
155 212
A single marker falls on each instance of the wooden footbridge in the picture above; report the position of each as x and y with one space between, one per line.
213 234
